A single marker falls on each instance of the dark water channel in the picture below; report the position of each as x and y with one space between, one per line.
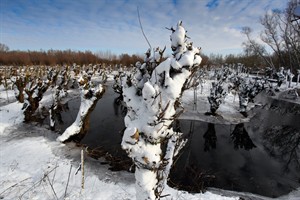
106 124
261 156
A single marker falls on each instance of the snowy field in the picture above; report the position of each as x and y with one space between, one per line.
33 165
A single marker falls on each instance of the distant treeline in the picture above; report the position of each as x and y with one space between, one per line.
59 57
68 57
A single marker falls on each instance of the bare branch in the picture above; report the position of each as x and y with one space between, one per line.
138 12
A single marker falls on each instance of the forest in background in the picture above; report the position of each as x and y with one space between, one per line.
63 57
68 57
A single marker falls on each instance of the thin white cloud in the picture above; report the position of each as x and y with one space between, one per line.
102 25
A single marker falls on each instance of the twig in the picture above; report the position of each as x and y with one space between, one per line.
68 181
138 12
38 182
82 170
164 196
52 187
54 175
170 29
14 185
78 169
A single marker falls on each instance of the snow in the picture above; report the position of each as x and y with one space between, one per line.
151 109
32 164
228 112
32 160
29 155
6 95
147 181
10 115
35 165
85 106
178 38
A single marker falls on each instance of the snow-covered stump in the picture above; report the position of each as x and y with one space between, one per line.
248 90
60 83
52 75
216 97
89 95
280 76
217 92
19 84
56 107
34 92
152 100
290 76
117 86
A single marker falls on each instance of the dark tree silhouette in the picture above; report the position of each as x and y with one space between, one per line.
241 139
210 138
283 142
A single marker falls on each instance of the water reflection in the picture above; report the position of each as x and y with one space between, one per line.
283 142
210 137
119 106
188 175
239 136
241 139
215 154
218 156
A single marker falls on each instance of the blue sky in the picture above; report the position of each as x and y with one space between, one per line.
100 25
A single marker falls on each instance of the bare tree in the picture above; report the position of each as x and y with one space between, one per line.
271 35
251 47
3 48
281 32
291 34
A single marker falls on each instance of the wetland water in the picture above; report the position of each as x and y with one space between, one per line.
261 156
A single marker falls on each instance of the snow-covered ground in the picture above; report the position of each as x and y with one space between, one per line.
33 165
228 112
6 95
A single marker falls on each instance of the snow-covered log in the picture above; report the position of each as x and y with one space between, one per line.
89 94
152 96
